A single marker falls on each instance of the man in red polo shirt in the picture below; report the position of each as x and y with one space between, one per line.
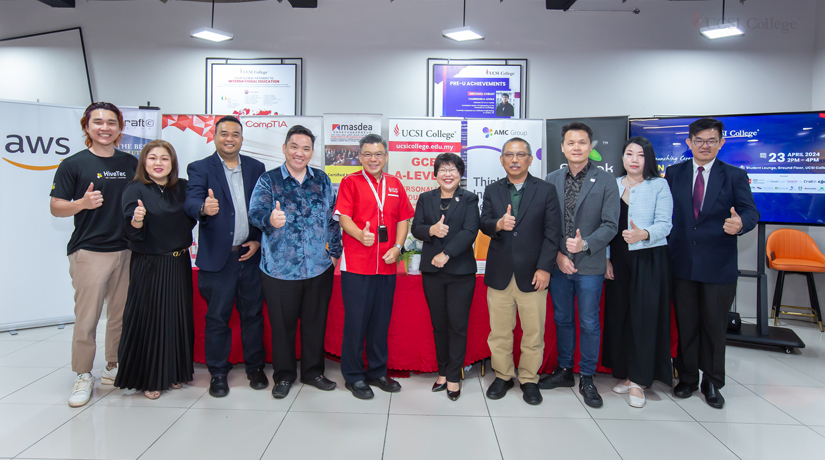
372 209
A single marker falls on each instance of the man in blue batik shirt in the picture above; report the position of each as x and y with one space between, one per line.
301 244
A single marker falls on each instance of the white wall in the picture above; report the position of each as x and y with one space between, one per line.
370 56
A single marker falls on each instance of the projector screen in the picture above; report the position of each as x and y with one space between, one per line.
783 153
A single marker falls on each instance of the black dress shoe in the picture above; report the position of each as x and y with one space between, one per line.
360 389
257 379
454 395
532 395
439 386
321 383
499 388
712 395
385 383
588 390
281 389
561 377
684 390
218 387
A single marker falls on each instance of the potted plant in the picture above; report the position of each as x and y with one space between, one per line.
412 255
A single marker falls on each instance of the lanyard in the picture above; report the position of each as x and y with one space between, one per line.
378 200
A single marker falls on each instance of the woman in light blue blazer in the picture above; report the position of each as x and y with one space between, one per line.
636 341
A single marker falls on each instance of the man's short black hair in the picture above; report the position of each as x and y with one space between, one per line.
228 118
577 126
517 139
372 139
506 95
299 129
449 158
706 123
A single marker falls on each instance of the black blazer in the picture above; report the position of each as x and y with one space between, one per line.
700 250
534 242
215 232
462 218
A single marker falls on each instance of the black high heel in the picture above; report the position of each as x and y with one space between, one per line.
439 386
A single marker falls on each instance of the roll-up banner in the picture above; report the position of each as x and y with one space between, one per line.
609 135
139 127
34 275
414 144
342 133
485 139
263 138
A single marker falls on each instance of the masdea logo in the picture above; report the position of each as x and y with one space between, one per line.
25 147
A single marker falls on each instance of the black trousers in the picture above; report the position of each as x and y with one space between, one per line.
288 301
367 313
449 298
239 284
702 320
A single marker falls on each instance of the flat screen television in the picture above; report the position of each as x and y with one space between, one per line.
783 153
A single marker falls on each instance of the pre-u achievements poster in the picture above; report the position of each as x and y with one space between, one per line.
342 134
485 139
414 145
477 91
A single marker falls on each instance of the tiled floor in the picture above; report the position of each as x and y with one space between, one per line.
775 410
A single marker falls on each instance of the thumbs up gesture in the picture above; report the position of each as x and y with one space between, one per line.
140 213
278 217
92 198
574 245
507 221
367 238
733 224
440 229
634 234
210 205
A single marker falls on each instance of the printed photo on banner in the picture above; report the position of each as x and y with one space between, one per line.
477 90
342 133
414 144
609 135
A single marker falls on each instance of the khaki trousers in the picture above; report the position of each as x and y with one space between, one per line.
532 311
97 276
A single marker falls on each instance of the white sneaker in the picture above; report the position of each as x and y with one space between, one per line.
107 377
82 390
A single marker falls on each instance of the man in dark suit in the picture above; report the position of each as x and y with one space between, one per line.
712 205
589 199
520 214
218 194
505 108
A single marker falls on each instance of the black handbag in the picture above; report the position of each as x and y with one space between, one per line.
734 321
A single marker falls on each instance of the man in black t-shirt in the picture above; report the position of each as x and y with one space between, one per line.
505 108
88 185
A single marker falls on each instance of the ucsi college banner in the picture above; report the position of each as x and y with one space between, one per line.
485 138
34 275
414 144
342 134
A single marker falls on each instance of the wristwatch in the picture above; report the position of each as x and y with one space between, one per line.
400 248
585 247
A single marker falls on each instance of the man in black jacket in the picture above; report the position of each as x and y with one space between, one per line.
521 215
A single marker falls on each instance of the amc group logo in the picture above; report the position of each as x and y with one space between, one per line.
502 132
28 151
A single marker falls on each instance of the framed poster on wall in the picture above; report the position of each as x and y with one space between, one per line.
263 86
477 88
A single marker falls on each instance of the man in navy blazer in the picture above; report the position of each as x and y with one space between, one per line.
218 194
712 205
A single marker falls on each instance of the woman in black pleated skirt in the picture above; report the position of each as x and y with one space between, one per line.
156 346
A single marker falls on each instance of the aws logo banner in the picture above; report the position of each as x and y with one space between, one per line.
38 137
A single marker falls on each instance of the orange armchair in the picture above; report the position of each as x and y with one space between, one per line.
795 252
481 246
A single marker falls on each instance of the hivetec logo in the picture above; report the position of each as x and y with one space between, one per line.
272 124
17 144
111 175
502 132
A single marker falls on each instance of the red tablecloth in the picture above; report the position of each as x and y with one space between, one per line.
411 344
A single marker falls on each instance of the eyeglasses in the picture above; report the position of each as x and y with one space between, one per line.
377 156
447 171
520 156
700 142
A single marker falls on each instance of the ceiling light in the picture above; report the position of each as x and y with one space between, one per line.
461 34
726 30
211 33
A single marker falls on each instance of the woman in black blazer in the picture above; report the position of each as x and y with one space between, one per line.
446 220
